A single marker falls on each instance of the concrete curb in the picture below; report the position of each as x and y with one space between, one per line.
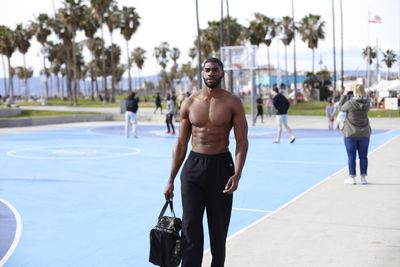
36 121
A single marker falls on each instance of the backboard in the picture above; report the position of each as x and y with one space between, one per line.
239 57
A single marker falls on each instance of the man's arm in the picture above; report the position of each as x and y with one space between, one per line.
179 152
240 130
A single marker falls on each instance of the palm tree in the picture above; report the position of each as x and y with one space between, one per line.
7 47
129 25
174 54
311 29
42 32
161 54
389 57
71 17
100 7
288 34
138 56
23 35
198 45
262 30
369 54
90 26
23 73
112 19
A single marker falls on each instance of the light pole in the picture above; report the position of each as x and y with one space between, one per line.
334 47
294 54
198 46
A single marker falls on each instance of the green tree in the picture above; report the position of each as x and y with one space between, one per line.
90 26
286 27
112 19
130 22
311 29
42 31
23 36
139 57
7 47
262 29
389 57
100 8
369 54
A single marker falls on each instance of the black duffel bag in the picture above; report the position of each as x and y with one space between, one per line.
165 240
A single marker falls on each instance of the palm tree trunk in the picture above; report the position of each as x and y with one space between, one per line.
104 65
269 70
46 90
75 73
286 70
10 81
313 59
129 67
5 75
334 47
25 80
112 70
59 92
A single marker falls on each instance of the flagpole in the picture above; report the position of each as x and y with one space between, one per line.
368 56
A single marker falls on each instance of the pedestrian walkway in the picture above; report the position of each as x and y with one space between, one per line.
333 224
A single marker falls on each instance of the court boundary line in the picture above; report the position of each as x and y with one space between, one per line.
18 231
297 197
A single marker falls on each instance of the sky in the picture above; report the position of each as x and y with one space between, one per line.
174 21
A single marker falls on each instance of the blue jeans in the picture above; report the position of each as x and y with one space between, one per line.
354 145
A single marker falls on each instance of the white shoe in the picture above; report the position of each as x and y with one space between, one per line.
364 180
350 180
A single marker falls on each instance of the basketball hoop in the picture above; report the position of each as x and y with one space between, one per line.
239 57
236 66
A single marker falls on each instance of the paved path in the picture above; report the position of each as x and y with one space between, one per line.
333 224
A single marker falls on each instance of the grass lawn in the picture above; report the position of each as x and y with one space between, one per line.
46 113
314 108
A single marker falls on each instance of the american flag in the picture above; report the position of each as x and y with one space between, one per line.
375 19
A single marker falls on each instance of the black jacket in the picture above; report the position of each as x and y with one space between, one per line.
281 104
132 105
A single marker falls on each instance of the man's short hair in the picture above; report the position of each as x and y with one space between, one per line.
214 60
275 89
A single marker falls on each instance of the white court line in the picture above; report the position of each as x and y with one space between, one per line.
17 235
296 198
252 210
292 161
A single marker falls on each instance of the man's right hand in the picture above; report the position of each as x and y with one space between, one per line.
169 192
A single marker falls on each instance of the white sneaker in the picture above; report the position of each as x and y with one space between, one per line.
350 180
364 180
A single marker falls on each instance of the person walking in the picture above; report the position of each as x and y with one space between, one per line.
281 104
357 132
269 105
260 109
158 103
170 115
209 176
131 120
330 114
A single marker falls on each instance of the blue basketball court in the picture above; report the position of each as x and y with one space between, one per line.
89 197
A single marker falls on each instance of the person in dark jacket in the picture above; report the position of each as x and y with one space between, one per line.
281 104
356 131
158 103
132 105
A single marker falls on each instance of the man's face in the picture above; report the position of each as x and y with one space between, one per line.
212 75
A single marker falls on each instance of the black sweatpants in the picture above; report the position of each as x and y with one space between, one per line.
203 179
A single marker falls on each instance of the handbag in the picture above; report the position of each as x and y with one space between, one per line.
165 240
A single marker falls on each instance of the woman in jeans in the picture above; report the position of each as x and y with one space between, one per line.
356 131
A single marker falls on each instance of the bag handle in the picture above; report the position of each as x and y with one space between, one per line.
168 202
